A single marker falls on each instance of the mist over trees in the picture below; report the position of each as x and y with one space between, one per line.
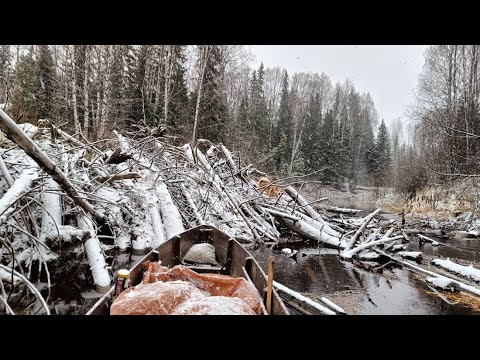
285 124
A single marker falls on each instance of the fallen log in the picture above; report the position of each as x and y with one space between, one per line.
446 279
171 217
308 209
98 266
6 174
14 133
18 189
362 228
304 299
310 232
337 209
130 175
348 254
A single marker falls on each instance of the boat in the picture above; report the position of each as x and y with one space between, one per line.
233 259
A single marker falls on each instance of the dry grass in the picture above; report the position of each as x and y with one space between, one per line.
461 298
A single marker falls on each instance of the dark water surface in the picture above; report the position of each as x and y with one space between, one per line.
377 290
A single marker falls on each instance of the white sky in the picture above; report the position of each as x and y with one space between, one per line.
388 72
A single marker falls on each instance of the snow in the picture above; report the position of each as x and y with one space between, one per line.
467 271
333 305
399 247
411 254
20 187
300 297
287 251
29 129
158 228
316 234
7 276
443 283
368 255
144 236
170 215
91 294
52 213
98 266
122 241
349 253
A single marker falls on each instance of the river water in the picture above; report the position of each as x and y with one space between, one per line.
368 288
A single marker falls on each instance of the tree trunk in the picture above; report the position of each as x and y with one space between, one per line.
76 123
203 65
19 187
14 133
85 92
166 93
107 90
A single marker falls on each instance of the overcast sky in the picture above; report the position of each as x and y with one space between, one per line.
388 72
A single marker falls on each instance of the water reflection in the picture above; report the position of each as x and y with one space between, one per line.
379 290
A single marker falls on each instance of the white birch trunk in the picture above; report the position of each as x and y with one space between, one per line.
170 215
8 126
199 93
76 123
107 89
85 92
98 266
19 187
5 172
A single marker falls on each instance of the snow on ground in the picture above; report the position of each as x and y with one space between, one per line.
467 271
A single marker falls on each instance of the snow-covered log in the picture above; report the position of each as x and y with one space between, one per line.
192 205
18 189
98 266
336 209
332 305
310 232
308 209
304 299
7 277
8 126
468 272
171 217
53 233
29 129
425 238
440 278
348 254
157 225
414 255
195 153
366 221
6 174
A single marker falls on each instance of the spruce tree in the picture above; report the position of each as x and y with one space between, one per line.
179 102
284 128
24 89
329 147
45 77
310 145
383 155
213 114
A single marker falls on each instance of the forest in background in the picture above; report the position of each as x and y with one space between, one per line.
286 124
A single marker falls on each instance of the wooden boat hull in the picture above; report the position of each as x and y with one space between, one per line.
233 258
